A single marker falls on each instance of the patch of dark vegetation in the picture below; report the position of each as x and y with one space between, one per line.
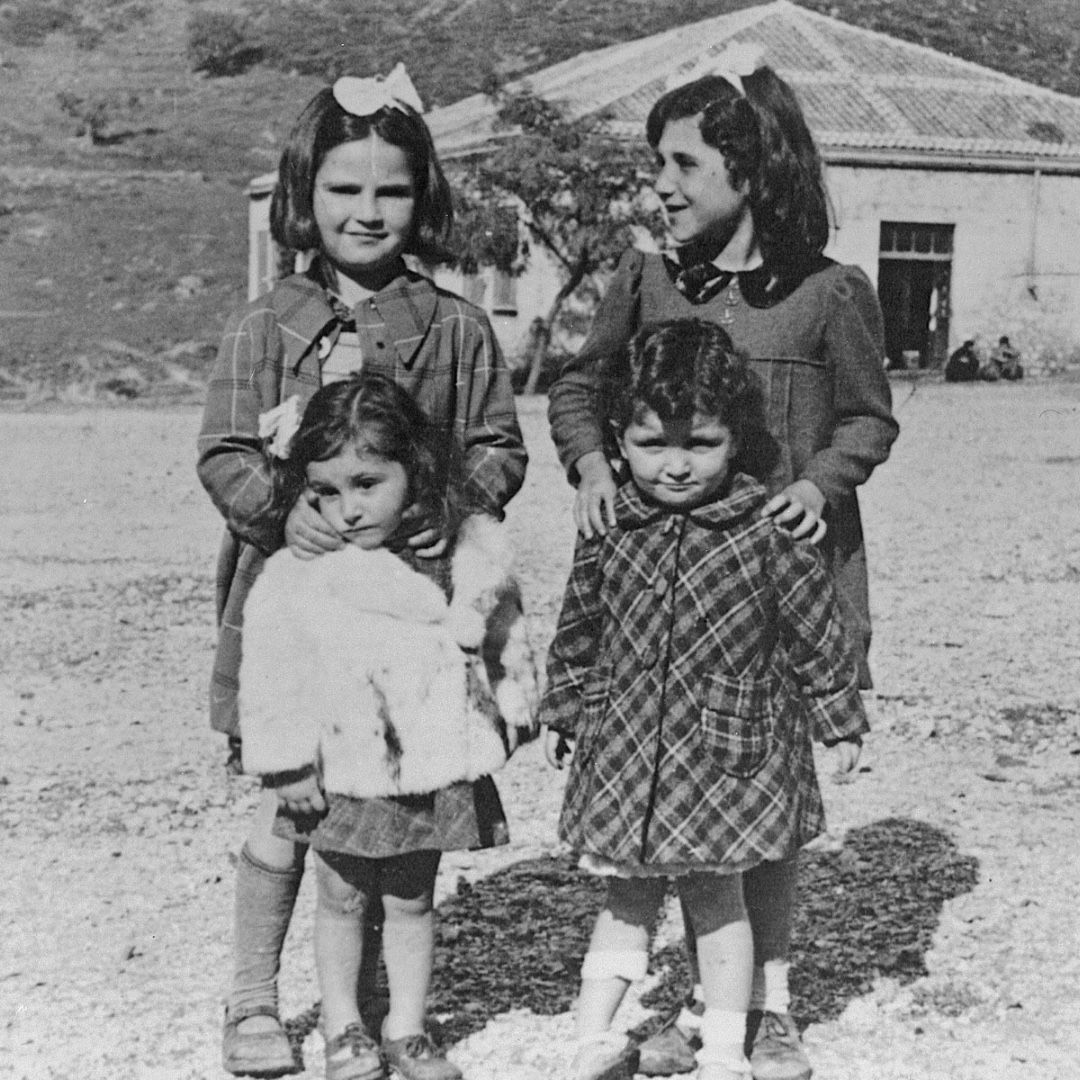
30 22
1030 725
220 44
516 940
865 912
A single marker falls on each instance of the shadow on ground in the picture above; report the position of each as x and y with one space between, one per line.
516 940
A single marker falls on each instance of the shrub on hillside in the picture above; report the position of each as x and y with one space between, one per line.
91 114
220 44
29 23
329 38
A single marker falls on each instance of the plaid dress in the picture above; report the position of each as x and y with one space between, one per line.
435 345
695 656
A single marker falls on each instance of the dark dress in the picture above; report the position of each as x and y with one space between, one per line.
817 346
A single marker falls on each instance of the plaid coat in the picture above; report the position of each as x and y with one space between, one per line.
695 656
437 346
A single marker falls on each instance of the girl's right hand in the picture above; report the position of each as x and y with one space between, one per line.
558 749
302 796
425 539
307 532
594 503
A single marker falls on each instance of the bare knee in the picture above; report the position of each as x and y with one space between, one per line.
339 895
267 848
401 909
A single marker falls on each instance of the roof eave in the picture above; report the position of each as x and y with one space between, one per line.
949 160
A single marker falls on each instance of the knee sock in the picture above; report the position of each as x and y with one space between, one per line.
265 897
770 991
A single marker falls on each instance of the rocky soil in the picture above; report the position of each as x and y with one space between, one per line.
940 936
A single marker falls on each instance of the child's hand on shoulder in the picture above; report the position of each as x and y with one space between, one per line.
558 748
594 503
425 539
798 509
303 796
307 533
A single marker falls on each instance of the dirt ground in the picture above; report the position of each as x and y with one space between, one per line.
119 828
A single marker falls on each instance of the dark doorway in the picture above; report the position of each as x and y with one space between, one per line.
914 279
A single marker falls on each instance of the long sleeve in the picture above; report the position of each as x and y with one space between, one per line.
813 639
572 410
862 403
494 451
576 644
232 465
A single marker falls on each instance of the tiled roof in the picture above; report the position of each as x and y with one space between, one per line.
865 94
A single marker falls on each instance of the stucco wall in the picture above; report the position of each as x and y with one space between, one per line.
1016 257
535 292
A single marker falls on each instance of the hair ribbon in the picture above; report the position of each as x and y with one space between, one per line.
365 97
732 63
279 425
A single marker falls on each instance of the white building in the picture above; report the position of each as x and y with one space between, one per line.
955 187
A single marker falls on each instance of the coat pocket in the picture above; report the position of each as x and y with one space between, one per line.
737 723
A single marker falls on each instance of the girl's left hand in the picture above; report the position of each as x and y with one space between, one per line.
307 533
302 796
798 508
427 541
558 749
846 756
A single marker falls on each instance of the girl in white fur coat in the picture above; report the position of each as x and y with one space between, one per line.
378 692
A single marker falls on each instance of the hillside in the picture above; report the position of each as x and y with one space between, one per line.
125 247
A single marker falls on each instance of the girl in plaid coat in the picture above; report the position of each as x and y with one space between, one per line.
697 650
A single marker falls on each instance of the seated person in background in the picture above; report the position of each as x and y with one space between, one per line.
963 364
1007 358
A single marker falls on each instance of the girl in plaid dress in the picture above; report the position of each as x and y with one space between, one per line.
359 187
697 649
374 709
740 180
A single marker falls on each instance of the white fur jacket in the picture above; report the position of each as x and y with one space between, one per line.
356 664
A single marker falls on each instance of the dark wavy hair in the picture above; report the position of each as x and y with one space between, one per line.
325 125
371 411
687 367
765 142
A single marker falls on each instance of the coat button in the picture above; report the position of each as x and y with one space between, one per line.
650 656
660 586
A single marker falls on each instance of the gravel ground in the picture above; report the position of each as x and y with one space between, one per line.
120 828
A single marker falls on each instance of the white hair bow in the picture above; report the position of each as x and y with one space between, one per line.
732 64
365 97
279 425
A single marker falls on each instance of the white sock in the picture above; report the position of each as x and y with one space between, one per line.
723 1034
777 998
